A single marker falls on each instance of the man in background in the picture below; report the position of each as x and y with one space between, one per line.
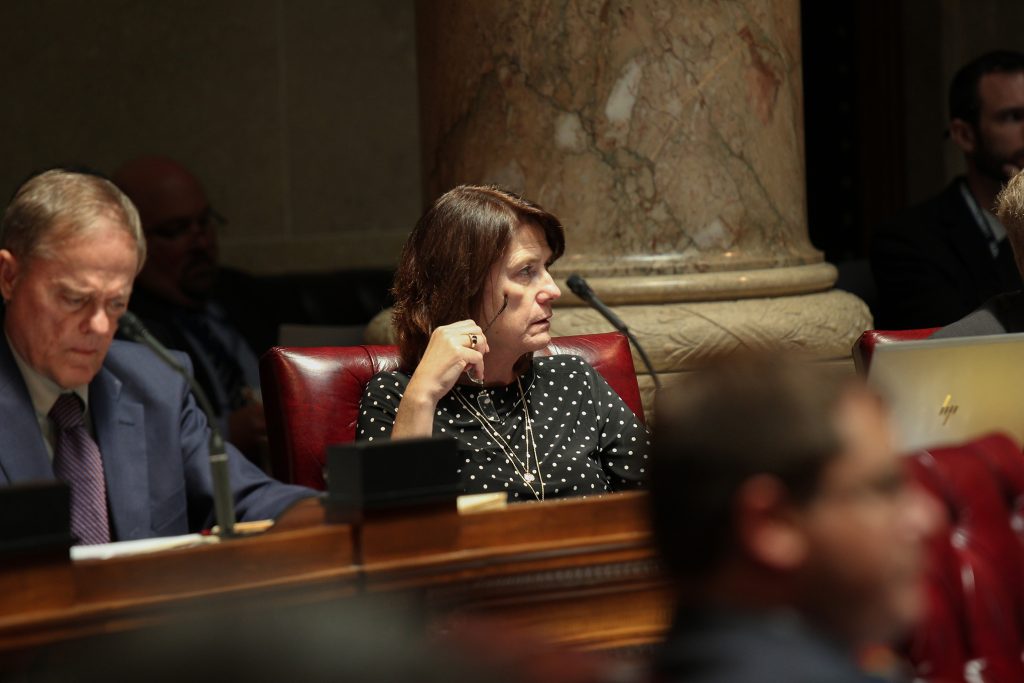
786 520
941 259
106 417
1003 312
175 293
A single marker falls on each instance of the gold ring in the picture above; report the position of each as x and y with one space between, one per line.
472 341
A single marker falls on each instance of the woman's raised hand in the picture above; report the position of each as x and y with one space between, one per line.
452 350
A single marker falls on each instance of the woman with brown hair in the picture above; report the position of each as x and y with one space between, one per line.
473 301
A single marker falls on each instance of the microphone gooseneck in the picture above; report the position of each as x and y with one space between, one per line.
223 501
504 305
581 289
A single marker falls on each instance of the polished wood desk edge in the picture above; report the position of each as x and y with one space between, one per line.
434 530
590 617
558 547
525 558
97 595
40 628
615 511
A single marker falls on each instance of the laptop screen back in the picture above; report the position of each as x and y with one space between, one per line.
944 391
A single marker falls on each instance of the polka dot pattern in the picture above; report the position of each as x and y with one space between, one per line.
588 439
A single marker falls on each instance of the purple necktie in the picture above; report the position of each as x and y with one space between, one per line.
76 461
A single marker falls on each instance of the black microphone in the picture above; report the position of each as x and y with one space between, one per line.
223 502
581 289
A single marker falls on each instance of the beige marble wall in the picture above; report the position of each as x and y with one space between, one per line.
300 117
667 135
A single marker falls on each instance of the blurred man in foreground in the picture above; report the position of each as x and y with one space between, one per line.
107 417
787 522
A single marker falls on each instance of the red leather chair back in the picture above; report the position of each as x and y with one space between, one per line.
865 345
311 395
975 626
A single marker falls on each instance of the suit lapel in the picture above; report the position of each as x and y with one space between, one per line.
23 455
990 275
120 432
964 234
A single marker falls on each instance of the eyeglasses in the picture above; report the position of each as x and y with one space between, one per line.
883 486
177 228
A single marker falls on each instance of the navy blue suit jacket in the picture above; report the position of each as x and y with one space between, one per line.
154 442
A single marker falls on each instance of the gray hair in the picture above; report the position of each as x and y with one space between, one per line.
59 205
1010 211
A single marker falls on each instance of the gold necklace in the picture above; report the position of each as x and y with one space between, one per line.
521 468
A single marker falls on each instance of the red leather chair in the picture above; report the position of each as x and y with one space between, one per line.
311 395
974 630
865 345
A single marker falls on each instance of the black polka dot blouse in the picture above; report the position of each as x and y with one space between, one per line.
587 439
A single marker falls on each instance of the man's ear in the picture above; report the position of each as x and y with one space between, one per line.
767 526
9 268
963 136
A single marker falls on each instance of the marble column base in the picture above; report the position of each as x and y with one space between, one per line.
713 286
679 337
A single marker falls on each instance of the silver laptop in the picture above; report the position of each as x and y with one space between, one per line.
945 391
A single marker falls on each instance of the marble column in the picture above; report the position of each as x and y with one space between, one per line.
668 137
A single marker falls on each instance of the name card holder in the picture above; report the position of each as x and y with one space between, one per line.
366 476
35 520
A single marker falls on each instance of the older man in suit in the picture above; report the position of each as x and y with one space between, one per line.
106 417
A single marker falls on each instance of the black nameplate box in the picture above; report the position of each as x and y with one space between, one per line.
35 518
376 475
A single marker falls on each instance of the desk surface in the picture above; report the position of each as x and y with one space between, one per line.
579 572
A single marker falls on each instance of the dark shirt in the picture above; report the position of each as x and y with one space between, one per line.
720 646
170 324
223 362
933 264
587 439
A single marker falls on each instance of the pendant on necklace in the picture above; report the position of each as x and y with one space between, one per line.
529 477
483 400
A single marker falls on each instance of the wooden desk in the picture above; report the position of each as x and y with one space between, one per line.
577 572
44 602
581 572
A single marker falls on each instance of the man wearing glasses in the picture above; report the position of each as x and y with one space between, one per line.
174 293
787 522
